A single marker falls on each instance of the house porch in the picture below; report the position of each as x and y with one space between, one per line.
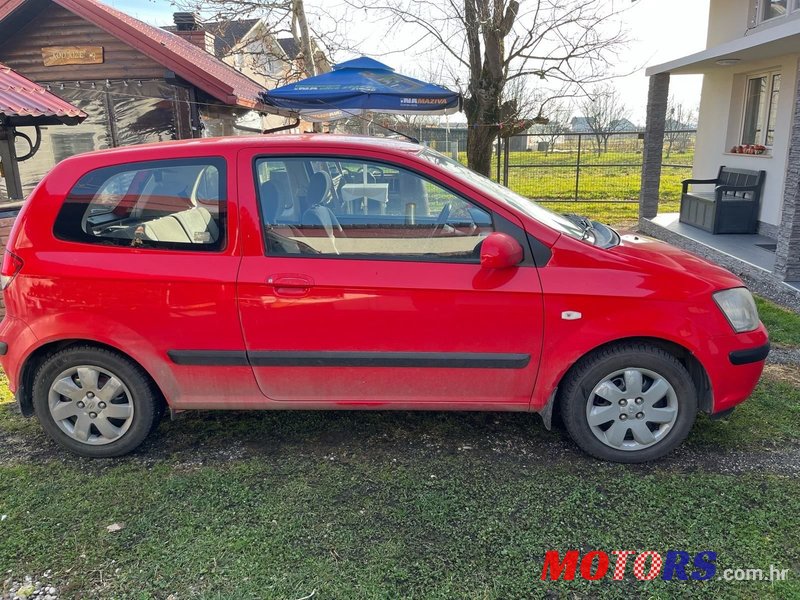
749 256
726 68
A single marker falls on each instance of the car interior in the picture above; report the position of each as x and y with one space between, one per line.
171 204
352 207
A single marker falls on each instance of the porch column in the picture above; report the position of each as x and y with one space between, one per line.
787 255
653 144
8 158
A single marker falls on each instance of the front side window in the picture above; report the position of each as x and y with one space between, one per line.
761 109
159 204
503 194
363 209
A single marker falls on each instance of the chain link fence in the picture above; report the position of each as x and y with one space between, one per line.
598 176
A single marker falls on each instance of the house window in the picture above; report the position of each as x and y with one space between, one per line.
774 8
772 112
761 109
766 10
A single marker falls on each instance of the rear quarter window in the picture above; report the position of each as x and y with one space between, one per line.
177 204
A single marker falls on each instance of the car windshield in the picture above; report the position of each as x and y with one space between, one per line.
495 190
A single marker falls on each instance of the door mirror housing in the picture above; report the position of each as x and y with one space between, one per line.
500 251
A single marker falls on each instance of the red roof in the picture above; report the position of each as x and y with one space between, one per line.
23 101
195 65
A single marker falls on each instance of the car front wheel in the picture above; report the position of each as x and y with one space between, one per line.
629 403
94 402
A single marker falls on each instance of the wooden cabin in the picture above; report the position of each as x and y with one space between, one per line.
137 83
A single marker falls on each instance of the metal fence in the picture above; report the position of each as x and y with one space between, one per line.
596 176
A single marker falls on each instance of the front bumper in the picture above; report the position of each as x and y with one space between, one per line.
749 355
734 364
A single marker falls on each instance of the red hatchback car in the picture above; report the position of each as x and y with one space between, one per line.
327 272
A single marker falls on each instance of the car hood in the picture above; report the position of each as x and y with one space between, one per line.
661 255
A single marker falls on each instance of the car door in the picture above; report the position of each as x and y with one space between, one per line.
361 285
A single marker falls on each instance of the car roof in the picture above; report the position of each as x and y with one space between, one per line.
233 143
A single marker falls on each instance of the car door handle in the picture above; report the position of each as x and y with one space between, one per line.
291 285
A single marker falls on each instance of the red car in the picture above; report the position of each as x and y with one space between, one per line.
327 272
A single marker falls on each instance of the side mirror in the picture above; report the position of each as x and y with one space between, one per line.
500 251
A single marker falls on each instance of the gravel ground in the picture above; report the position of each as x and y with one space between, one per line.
778 293
510 436
29 588
784 356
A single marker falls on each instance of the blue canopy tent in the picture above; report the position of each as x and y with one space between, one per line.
359 86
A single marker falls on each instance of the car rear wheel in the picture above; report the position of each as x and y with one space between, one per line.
95 402
629 403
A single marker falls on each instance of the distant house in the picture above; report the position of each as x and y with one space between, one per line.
580 125
583 125
250 46
676 125
749 97
623 125
137 83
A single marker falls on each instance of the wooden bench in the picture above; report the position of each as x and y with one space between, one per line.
731 208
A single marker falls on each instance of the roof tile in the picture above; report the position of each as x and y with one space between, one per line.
20 97
195 65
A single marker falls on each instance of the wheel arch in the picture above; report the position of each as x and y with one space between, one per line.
692 364
34 360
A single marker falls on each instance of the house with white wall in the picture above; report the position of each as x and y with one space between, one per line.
749 97
252 47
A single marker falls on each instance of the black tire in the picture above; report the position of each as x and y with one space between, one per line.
147 405
593 369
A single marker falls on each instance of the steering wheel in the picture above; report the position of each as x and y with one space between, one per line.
441 220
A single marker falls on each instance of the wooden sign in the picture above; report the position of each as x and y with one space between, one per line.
72 55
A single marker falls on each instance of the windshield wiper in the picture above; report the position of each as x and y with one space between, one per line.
587 229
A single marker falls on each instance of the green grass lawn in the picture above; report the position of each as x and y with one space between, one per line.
783 325
608 185
391 505
398 505
358 522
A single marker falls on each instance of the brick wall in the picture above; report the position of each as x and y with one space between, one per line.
787 255
657 100
5 230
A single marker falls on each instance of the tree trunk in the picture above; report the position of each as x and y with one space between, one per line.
302 36
480 144
483 114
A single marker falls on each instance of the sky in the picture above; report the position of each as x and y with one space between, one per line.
660 30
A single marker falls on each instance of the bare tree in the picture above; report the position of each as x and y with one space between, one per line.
553 122
681 119
605 114
385 124
309 27
301 36
493 42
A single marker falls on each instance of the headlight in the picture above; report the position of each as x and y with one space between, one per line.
739 308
